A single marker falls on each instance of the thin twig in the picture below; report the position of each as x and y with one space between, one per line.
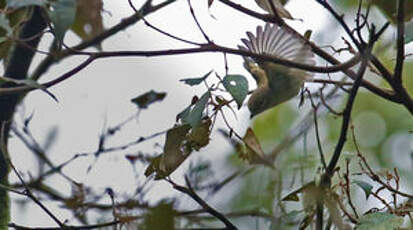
190 192
191 10
159 30
317 134
27 191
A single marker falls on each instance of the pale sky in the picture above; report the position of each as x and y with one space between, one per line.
104 89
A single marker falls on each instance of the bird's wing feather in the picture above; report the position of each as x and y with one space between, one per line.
281 43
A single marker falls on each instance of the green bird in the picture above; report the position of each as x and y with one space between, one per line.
275 83
389 8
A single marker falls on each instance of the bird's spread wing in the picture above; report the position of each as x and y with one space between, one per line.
281 43
275 83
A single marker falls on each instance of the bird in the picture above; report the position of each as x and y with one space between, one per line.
389 9
282 12
275 83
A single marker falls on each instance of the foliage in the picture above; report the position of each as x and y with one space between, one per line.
324 160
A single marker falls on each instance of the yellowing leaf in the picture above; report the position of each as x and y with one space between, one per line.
179 144
88 22
254 153
252 142
10 26
174 150
153 166
199 136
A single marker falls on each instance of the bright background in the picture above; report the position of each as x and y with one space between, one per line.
100 96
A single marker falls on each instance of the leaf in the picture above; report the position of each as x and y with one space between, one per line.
293 196
379 221
252 142
199 136
63 15
179 144
237 86
174 153
196 81
5 25
254 153
183 114
3 39
408 32
367 188
174 150
24 3
10 24
88 22
161 216
307 34
193 116
144 100
153 166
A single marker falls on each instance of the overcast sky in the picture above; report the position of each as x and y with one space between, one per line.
103 90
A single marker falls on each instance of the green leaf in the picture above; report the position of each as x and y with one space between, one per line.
196 81
24 3
408 32
161 216
184 114
367 188
194 116
3 39
174 153
379 221
5 24
63 15
237 86
144 100
153 166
